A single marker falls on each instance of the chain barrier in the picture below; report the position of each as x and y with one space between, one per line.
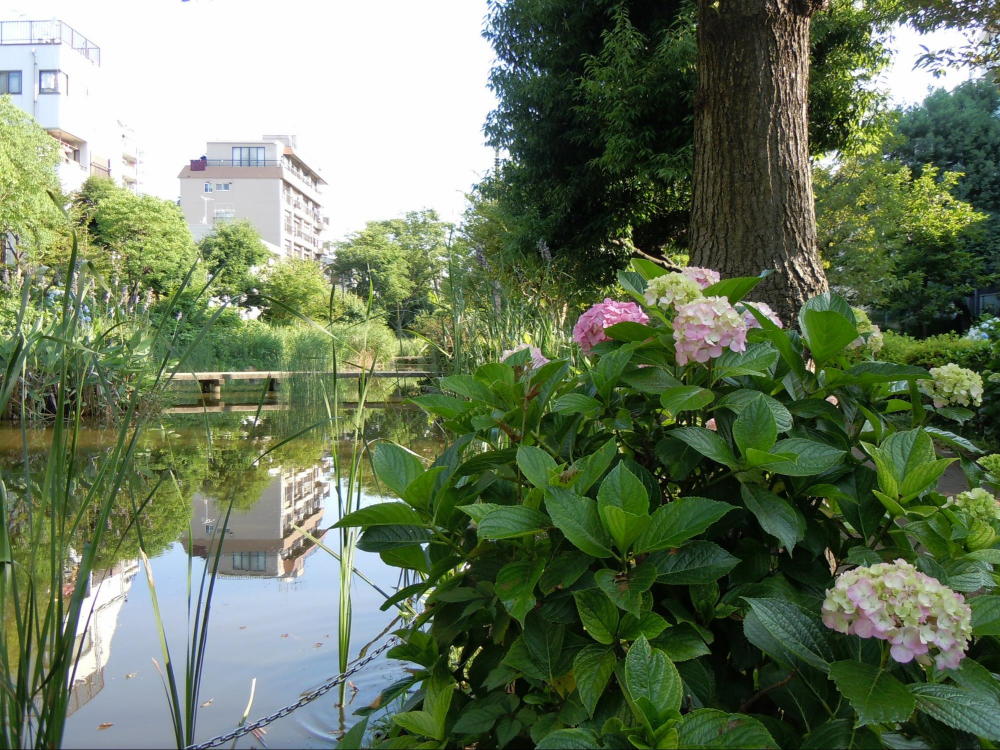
309 697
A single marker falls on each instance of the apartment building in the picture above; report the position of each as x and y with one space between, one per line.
53 72
265 182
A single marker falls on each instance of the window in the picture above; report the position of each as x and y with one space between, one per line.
249 561
223 186
52 82
225 213
10 81
248 156
208 187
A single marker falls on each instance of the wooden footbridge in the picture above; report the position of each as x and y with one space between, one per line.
211 382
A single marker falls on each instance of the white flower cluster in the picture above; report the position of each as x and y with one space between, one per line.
671 290
953 385
871 337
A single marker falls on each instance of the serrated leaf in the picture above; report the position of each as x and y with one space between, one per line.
709 728
826 332
876 696
960 709
707 443
736 401
624 527
682 643
536 465
420 723
811 457
758 359
381 514
652 682
733 289
923 477
598 615
592 668
577 403
623 489
569 739
515 587
685 398
755 427
674 523
985 615
625 591
593 466
396 466
577 518
775 515
630 331
648 624
510 521
441 405
799 633
694 563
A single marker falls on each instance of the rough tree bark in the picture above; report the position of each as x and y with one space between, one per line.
753 201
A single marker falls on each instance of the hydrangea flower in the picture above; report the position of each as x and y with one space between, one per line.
671 289
705 327
895 602
589 329
764 309
703 277
991 463
871 335
537 358
953 385
978 504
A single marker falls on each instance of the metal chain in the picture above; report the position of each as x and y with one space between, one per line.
307 698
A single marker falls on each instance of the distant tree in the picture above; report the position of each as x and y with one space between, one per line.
233 254
979 19
29 218
141 240
400 260
959 131
899 242
294 287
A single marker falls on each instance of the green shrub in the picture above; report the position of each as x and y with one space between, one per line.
646 554
936 351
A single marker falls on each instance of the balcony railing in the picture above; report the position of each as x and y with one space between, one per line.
242 162
48 32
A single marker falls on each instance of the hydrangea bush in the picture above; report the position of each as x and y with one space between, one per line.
719 531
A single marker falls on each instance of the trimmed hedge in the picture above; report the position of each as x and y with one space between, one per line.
935 351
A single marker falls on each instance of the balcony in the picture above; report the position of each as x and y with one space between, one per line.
48 32
240 162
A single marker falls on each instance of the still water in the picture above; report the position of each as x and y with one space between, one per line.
275 609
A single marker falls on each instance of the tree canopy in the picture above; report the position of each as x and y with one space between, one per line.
232 253
295 287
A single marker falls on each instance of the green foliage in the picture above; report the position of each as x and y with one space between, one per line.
232 252
935 351
294 289
603 570
899 242
399 260
595 110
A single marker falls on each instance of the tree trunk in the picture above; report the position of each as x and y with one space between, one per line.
753 201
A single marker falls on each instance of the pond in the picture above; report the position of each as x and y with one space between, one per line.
275 611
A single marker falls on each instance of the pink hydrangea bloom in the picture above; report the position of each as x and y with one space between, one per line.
703 277
921 618
589 329
537 358
706 327
764 309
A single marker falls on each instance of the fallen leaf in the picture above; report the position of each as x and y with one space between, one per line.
208 703
105 725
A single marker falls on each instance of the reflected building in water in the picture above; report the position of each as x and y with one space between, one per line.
264 541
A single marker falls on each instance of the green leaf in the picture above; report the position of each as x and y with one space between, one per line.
775 515
593 466
985 615
626 590
924 477
577 403
592 668
868 373
733 289
418 722
544 641
799 633
598 615
707 443
709 728
577 518
811 457
396 466
907 451
682 643
536 465
569 739
509 521
876 696
652 682
738 400
960 709
685 398
758 359
623 489
382 538
448 407
609 369
674 523
694 563
826 332
648 624
630 331
647 269
755 427
624 527
470 387
563 571
515 587
381 514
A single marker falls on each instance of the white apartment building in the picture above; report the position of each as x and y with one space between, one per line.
53 73
263 181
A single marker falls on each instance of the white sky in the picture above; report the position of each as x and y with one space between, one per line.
387 97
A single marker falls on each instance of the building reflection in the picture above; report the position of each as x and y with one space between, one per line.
266 540
107 591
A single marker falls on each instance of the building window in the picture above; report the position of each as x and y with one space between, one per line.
225 213
208 187
223 186
10 81
249 561
248 156
52 82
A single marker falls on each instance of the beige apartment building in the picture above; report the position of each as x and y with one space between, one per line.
265 182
